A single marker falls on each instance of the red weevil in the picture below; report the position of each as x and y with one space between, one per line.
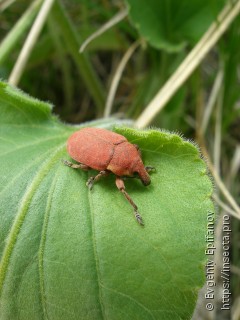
107 152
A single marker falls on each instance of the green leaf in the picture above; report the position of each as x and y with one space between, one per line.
70 253
171 24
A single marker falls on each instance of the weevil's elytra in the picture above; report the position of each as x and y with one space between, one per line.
107 152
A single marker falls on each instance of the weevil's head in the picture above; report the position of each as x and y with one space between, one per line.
138 168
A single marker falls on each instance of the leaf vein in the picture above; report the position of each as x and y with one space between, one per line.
132 299
20 173
22 212
30 145
42 246
96 259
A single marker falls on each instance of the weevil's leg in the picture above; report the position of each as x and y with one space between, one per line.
75 166
92 180
149 168
121 187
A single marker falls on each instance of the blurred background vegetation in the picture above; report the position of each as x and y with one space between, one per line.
185 52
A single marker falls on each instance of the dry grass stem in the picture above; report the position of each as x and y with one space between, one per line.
235 164
235 270
30 42
211 101
217 178
218 135
5 4
112 22
194 58
225 207
117 77
224 190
